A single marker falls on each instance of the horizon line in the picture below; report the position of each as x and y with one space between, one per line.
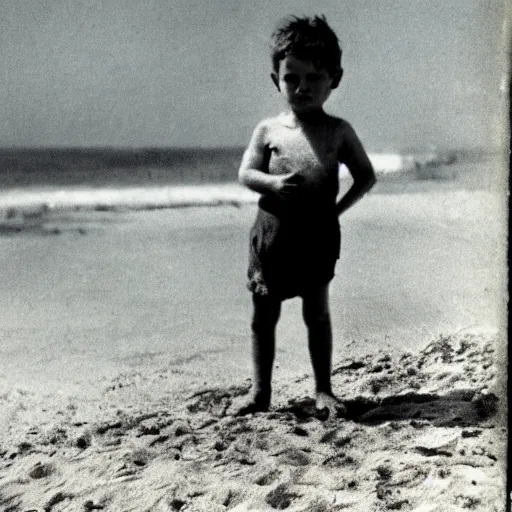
404 150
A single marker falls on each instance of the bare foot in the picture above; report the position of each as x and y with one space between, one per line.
253 407
330 404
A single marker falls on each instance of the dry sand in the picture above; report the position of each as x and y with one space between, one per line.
425 427
423 432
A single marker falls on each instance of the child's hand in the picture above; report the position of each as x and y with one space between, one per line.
288 186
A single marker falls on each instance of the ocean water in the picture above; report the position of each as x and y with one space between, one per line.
98 167
180 177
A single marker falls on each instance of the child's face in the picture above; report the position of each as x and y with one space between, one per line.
304 86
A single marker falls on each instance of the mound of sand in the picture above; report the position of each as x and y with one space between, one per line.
423 433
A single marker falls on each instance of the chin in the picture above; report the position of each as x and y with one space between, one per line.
306 110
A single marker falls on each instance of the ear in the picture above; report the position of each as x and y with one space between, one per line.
275 79
336 79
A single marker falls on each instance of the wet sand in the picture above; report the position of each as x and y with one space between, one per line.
96 293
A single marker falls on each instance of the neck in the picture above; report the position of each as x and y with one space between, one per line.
312 116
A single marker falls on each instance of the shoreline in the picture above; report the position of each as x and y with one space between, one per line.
470 176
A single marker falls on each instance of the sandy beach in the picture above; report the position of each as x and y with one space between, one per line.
125 319
125 351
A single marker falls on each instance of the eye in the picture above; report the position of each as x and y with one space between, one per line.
291 79
314 77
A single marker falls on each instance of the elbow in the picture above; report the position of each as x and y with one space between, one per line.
372 181
366 184
242 177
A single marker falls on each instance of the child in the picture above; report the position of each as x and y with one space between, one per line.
293 161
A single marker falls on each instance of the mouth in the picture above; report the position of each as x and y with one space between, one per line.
302 102
302 99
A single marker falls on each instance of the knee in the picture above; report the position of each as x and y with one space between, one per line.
317 318
265 315
263 325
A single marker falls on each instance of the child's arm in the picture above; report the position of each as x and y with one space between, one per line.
253 171
353 155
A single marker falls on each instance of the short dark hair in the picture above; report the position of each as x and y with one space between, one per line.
310 38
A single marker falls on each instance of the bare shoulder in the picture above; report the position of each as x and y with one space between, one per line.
259 137
351 151
341 128
345 135
271 129
263 130
257 151
277 122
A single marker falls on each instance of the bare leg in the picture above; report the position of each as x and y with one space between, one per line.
265 317
315 310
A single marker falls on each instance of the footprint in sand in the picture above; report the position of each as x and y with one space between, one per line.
41 470
294 457
340 460
199 504
182 428
216 401
124 471
281 497
148 428
301 432
138 459
91 505
56 499
334 437
267 477
108 427
83 440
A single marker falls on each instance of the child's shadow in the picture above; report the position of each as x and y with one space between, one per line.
458 408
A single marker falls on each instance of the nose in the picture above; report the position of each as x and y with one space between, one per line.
303 86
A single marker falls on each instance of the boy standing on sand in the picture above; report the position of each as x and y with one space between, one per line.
293 161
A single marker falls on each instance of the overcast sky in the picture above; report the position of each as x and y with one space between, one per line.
196 73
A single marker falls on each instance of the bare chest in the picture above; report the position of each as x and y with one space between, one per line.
312 155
